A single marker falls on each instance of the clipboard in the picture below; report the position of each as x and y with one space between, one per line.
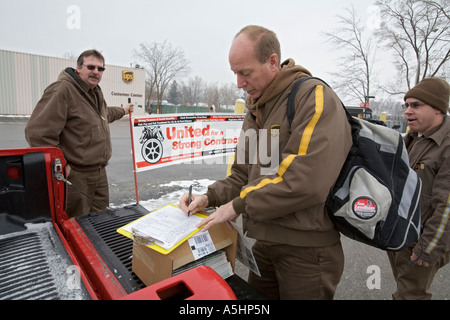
155 246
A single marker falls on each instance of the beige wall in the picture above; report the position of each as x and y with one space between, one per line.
24 77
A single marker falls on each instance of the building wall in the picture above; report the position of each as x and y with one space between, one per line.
24 77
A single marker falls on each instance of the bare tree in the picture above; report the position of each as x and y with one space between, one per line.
193 91
212 96
229 93
355 76
418 34
196 91
163 63
69 55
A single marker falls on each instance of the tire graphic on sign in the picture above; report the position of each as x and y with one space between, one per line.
152 148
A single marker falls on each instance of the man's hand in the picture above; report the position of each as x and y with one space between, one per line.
129 108
198 203
225 214
419 262
67 170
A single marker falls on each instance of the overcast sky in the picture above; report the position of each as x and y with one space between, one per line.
203 29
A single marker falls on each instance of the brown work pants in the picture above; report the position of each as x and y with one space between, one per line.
95 184
413 281
297 273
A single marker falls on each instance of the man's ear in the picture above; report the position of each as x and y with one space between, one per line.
274 61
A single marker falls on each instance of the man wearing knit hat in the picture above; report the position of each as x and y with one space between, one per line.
428 144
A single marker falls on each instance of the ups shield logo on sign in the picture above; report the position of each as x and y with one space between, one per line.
127 76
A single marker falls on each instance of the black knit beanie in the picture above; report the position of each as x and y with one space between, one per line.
433 91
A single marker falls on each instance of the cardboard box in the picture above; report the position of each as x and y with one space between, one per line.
151 266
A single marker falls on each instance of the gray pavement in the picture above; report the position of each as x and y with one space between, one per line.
367 274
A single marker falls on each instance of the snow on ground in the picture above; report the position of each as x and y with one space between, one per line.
199 187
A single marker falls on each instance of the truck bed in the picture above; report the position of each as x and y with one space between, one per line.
34 265
116 250
46 255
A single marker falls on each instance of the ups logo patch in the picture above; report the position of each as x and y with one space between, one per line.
127 76
275 130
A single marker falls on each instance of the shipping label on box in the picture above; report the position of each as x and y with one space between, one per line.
151 266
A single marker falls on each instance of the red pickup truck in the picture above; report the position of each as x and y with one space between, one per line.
46 255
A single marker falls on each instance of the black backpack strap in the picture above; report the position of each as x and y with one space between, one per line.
291 100
290 112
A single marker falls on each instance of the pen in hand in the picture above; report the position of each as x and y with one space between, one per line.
190 198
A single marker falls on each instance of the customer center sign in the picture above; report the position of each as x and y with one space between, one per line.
164 140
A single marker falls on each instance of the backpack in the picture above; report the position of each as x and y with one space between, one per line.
375 199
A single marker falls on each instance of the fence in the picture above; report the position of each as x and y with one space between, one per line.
165 109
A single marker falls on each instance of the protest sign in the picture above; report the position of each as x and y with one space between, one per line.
167 139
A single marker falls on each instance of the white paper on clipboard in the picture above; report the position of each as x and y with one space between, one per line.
167 226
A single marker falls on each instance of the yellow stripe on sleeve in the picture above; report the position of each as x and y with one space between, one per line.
307 134
302 150
441 228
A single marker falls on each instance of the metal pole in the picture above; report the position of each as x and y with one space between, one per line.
134 159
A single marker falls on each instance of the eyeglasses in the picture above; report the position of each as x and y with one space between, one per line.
91 67
413 105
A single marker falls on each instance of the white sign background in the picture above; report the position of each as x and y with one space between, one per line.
163 140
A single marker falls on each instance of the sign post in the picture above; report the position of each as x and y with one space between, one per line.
132 152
